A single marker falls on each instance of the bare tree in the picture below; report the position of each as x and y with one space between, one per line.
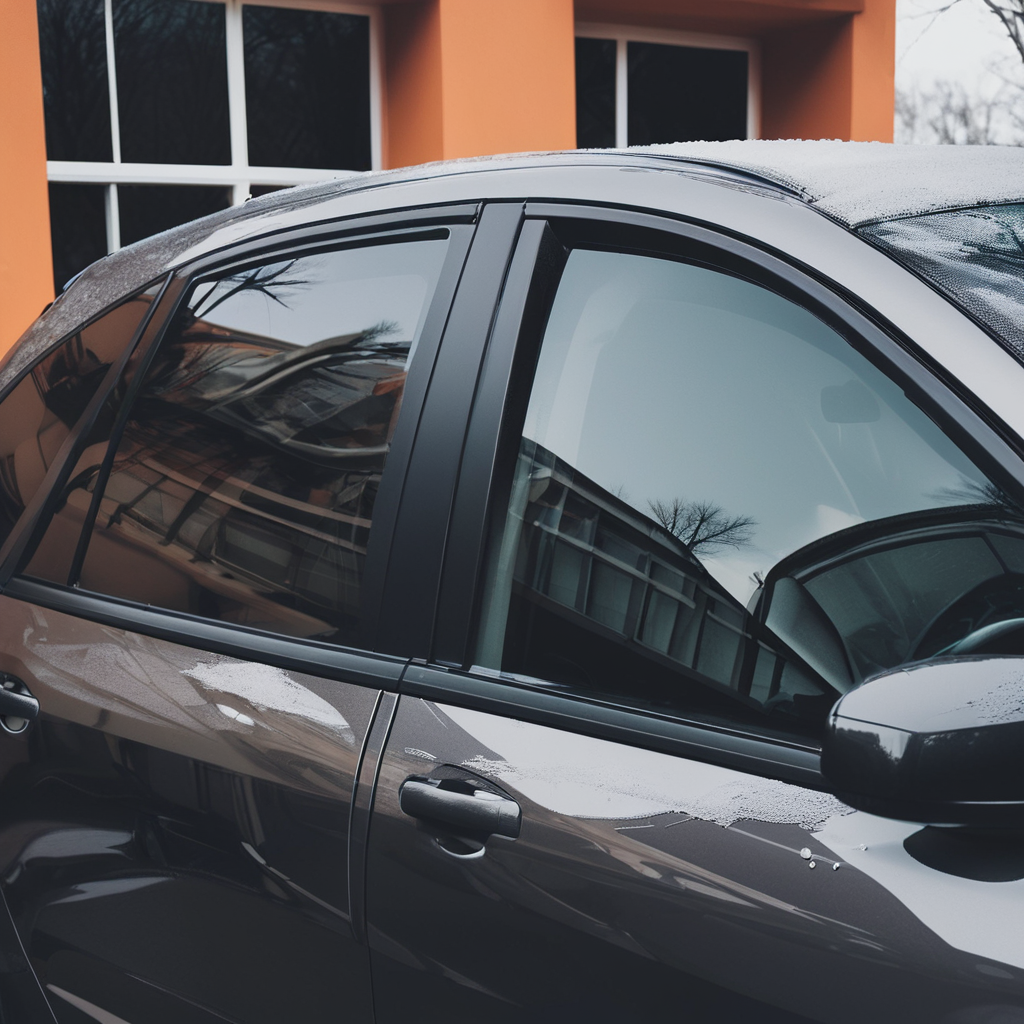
949 114
701 525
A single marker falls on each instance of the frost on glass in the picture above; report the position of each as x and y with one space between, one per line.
975 256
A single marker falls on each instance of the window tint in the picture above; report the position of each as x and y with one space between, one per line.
243 487
595 93
723 510
39 412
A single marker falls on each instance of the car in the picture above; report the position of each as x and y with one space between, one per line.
572 586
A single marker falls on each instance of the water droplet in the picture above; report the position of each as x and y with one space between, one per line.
835 865
811 865
862 847
805 853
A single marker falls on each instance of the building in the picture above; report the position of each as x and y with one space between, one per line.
119 118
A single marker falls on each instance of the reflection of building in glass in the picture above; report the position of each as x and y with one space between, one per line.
606 600
248 472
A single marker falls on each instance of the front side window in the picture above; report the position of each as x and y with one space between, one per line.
243 487
721 509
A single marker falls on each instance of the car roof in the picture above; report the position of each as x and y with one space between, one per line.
852 183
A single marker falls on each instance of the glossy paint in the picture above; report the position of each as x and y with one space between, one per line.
642 882
174 842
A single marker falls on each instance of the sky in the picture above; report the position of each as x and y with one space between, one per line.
959 44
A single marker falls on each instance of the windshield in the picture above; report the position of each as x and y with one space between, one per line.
974 256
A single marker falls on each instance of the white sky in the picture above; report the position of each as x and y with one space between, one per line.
960 45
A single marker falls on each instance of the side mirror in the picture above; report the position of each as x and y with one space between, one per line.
941 742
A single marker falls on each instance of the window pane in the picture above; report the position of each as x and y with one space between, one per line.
149 209
769 519
686 94
172 81
595 93
78 229
307 88
38 414
76 98
243 487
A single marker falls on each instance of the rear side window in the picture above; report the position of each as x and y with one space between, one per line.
43 407
722 510
244 484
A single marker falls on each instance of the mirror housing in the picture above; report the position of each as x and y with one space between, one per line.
940 742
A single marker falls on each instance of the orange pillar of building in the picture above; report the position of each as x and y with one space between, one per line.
471 78
832 78
26 271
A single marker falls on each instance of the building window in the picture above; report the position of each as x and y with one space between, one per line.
637 88
160 111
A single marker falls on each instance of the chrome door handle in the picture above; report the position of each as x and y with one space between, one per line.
17 706
460 806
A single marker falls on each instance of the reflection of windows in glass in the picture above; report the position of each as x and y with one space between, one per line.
793 522
76 100
307 88
149 209
172 82
244 484
78 229
595 93
686 93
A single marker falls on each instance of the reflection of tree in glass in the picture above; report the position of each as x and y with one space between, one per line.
267 281
702 525
987 495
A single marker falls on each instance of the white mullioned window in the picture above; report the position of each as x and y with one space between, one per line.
161 110
637 86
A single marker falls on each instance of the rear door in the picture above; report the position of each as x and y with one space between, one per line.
700 499
194 611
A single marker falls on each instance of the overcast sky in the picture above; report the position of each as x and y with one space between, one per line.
960 44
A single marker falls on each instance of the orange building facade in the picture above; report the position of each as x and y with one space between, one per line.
444 79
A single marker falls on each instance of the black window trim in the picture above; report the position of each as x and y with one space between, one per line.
329 660
447 674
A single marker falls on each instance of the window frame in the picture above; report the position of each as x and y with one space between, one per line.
623 35
446 673
239 175
292 653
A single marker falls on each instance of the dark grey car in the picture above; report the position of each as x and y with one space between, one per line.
434 596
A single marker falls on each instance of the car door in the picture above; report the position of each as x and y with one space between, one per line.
191 614
700 498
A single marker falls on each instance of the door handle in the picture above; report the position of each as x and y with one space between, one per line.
17 706
461 806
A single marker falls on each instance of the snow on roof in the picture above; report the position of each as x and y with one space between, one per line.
860 182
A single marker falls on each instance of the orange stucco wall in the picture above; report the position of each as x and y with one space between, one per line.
467 78
26 272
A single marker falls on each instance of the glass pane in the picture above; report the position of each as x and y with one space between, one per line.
76 98
307 88
149 209
78 229
172 81
595 93
686 94
771 519
38 414
244 485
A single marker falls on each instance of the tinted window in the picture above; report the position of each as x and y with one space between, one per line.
686 93
307 88
595 93
39 413
78 229
243 488
172 81
720 508
148 209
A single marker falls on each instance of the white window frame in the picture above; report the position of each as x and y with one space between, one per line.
625 34
239 175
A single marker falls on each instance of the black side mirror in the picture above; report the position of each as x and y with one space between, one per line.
941 742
